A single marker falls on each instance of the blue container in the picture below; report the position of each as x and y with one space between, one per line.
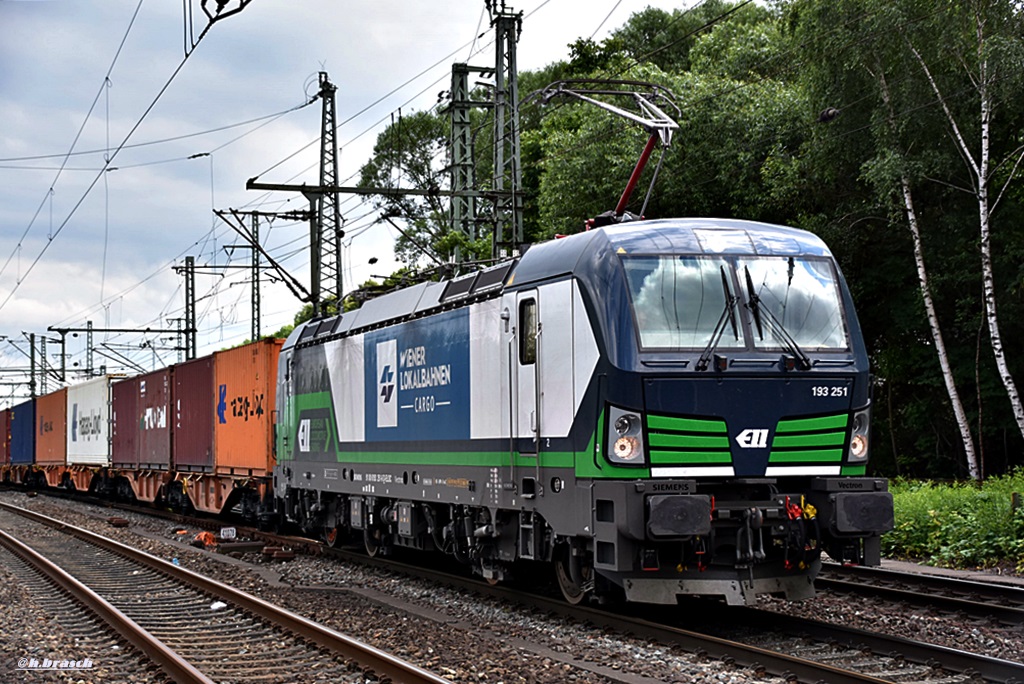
23 433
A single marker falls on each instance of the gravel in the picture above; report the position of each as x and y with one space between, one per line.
988 637
38 625
474 639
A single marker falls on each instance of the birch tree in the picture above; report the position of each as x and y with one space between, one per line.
906 194
982 73
873 148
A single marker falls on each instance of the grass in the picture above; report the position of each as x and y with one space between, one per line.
959 525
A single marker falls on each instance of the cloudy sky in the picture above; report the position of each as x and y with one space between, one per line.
83 81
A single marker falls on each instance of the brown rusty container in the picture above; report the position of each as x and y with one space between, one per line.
51 428
5 436
142 421
124 424
245 380
194 403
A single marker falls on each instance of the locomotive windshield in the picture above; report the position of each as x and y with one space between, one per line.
801 294
680 301
677 301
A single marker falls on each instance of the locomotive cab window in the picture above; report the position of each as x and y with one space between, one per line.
678 301
685 301
528 331
800 296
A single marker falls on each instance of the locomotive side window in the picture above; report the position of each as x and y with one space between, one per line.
528 331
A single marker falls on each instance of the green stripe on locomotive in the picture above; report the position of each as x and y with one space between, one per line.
585 462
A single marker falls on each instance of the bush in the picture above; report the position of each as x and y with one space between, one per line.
958 525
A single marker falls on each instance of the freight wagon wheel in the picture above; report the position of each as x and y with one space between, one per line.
572 591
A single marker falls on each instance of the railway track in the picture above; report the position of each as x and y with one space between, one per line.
102 653
193 628
978 600
796 649
761 641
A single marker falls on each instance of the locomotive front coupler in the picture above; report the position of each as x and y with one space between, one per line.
749 540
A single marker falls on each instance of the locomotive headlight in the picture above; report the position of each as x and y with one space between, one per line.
626 424
859 436
626 449
625 437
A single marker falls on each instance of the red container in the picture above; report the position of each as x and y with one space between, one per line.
124 424
51 429
194 412
142 421
5 436
246 382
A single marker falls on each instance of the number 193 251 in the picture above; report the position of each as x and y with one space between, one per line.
823 391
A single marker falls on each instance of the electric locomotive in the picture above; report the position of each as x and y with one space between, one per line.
655 409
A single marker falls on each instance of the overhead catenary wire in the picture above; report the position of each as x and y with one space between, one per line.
161 141
210 236
619 126
96 179
78 135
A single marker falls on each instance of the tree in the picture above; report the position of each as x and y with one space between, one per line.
666 40
410 153
851 43
982 55
738 128
886 149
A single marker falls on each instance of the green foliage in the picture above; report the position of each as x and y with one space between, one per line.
587 57
960 524
858 56
665 40
410 153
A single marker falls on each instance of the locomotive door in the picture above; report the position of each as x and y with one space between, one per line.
526 402
285 420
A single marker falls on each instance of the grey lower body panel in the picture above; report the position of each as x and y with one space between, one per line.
736 590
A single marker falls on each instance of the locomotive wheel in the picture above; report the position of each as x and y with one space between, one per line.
371 541
332 537
572 592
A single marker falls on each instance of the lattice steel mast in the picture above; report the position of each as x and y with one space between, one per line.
329 215
508 200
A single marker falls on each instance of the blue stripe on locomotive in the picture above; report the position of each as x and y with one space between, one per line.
417 379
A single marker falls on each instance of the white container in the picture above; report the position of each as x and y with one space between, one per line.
89 423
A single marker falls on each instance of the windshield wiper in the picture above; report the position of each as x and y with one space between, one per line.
729 313
763 317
